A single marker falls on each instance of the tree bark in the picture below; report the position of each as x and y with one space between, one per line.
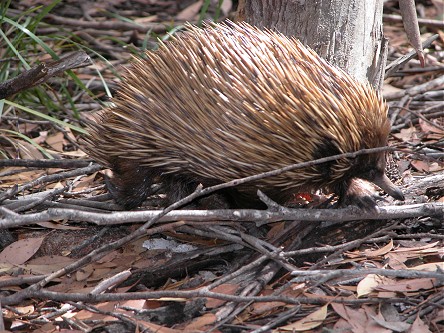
347 33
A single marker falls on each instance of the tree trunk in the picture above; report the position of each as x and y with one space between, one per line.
347 33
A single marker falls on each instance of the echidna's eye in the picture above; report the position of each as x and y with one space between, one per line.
371 173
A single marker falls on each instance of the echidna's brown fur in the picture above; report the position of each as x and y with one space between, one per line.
231 101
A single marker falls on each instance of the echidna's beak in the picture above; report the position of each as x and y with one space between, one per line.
385 184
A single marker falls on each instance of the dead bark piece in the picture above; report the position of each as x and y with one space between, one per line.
42 72
411 26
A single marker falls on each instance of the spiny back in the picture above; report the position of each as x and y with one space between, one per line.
230 101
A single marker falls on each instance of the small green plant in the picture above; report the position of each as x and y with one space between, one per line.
21 49
205 8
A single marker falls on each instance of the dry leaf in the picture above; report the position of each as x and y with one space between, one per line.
47 264
226 7
313 320
411 285
107 306
421 166
28 151
418 248
161 329
360 320
189 12
133 303
76 153
408 135
201 322
169 299
388 89
68 132
41 138
84 273
51 260
19 252
52 225
419 326
147 19
56 141
26 128
397 260
227 288
430 267
430 127
26 310
393 326
379 252
435 166
369 284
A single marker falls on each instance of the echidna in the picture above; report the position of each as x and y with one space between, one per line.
230 101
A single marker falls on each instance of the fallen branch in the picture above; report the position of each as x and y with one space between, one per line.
11 219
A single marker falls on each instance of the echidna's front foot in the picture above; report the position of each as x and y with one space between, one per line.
361 194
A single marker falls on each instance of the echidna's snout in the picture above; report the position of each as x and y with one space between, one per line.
385 184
